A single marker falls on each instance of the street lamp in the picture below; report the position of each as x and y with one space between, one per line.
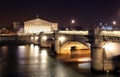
72 22
44 38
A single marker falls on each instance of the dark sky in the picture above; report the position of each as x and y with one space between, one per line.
85 12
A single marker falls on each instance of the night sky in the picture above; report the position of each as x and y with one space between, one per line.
85 12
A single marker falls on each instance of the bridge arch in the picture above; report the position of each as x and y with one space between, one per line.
68 46
49 41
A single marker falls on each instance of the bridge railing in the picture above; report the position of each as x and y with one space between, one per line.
74 32
110 33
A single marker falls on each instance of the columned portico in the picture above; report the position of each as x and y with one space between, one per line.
38 25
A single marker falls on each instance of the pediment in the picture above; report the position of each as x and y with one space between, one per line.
37 20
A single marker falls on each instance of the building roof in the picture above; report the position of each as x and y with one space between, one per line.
38 20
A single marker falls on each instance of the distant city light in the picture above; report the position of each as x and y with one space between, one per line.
72 21
106 26
114 22
101 23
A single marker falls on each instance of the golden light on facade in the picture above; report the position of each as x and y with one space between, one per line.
39 25
44 38
109 47
62 39
32 38
36 37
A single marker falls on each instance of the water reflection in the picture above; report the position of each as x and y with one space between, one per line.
43 56
86 59
33 61
84 65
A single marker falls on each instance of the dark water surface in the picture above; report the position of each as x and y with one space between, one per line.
33 61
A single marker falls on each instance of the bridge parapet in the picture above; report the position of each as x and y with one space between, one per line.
107 39
110 33
74 32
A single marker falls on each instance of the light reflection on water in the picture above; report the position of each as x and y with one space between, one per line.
84 65
33 61
85 59
44 56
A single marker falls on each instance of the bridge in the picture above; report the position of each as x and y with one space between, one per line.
104 45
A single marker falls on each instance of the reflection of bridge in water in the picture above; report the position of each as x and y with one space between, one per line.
104 45
76 56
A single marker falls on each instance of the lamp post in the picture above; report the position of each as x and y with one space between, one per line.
115 24
72 22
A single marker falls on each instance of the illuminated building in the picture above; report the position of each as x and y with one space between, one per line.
38 25
105 26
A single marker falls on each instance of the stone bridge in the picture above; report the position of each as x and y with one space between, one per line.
104 45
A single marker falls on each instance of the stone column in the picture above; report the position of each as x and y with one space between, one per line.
97 57
56 43
99 63
57 46
40 39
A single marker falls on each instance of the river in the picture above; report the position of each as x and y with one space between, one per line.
33 61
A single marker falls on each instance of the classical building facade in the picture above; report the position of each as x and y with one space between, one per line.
38 25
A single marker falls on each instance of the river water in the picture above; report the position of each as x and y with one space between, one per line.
33 61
